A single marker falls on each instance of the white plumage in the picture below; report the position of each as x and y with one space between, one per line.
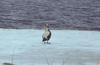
46 34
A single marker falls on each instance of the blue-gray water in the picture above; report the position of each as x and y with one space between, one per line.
70 46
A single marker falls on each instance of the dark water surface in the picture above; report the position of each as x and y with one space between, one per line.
60 14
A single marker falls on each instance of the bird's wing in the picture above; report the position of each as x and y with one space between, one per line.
49 36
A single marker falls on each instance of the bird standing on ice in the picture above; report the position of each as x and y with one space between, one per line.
47 34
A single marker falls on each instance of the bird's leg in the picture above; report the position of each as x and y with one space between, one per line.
44 42
47 41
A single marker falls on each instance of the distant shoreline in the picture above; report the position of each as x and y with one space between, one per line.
54 25
54 29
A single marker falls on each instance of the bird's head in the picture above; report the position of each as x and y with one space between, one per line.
46 26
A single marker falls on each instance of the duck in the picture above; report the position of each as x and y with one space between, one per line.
47 34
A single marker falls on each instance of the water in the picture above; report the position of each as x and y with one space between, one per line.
27 48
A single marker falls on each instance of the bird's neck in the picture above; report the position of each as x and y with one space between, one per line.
46 29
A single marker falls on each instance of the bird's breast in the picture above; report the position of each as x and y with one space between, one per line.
45 34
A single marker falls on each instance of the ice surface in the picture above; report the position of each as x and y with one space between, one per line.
72 46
